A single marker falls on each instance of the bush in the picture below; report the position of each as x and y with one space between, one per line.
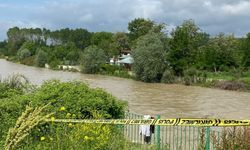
190 76
65 97
54 64
193 76
92 59
108 69
30 61
23 53
235 138
168 76
113 70
41 58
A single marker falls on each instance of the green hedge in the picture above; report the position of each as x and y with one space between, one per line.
76 98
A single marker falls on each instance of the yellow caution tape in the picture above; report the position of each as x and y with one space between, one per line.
161 122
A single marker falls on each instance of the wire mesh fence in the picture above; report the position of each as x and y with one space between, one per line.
175 137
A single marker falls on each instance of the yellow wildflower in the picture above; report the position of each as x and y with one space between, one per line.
42 138
70 125
86 138
53 119
62 108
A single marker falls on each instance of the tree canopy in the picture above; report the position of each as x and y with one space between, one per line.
149 57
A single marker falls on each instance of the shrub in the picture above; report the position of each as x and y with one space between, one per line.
30 61
108 69
168 76
92 59
65 97
54 64
16 81
192 76
235 138
23 53
24 124
41 58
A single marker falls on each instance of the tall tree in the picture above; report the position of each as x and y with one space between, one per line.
245 46
184 46
103 40
41 58
149 57
92 58
121 42
3 48
15 40
220 53
139 27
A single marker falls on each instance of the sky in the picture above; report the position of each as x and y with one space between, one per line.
212 16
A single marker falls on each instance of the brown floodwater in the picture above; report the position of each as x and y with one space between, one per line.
168 100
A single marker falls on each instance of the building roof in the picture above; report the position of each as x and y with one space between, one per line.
127 60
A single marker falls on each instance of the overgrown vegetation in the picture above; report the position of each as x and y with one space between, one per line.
25 123
66 99
234 138
157 56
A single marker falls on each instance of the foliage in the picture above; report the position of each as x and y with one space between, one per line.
184 46
54 64
235 138
30 61
188 47
139 27
16 81
25 123
121 42
149 57
23 53
41 58
75 98
92 59
246 51
103 40
113 70
15 40
3 48
31 46
168 76
192 76
219 53
6 92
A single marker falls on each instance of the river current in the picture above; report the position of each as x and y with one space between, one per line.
168 100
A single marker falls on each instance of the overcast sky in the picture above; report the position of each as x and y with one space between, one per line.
212 16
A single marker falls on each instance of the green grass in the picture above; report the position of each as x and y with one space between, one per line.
220 76
213 78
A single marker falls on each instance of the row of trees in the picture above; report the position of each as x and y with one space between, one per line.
186 51
154 51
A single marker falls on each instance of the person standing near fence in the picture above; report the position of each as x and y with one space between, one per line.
145 131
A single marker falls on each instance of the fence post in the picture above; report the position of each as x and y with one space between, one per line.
208 138
158 135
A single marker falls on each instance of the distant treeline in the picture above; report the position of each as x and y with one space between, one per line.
154 50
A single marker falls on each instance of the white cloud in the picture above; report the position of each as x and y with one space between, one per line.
213 16
86 18
241 8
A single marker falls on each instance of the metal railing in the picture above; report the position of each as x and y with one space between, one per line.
175 137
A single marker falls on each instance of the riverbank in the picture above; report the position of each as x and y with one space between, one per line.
219 80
